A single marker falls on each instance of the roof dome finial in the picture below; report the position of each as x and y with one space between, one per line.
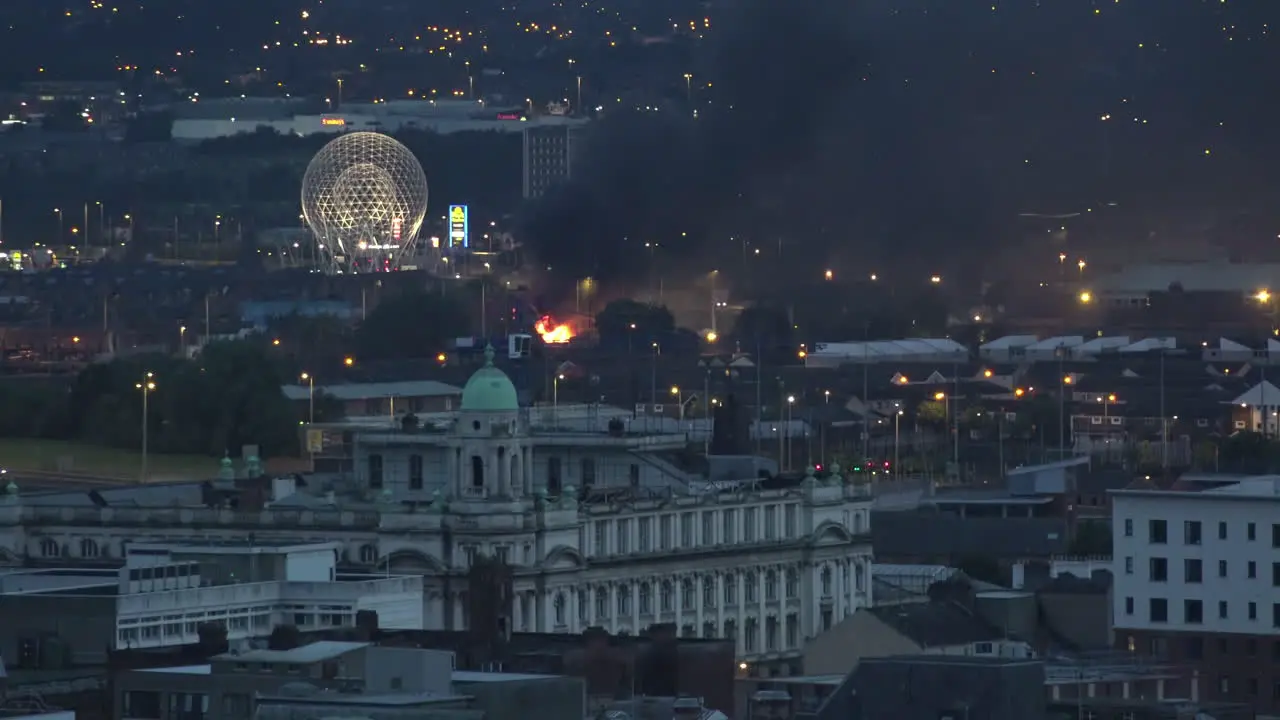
488 355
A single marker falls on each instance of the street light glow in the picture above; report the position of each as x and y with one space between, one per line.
1086 297
1262 296
939 396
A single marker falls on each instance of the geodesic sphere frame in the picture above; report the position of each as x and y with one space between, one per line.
364 194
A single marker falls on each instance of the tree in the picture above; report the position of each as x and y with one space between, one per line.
931 412
411 325
634 324
765 327
284 637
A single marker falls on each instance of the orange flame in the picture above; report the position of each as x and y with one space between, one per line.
553 333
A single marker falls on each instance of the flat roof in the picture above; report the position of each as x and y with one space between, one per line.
389 699
307 654
1257 487
797 680
234 547
374 391
489 677
181 670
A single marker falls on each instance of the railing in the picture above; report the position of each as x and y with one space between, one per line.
196 517
232 596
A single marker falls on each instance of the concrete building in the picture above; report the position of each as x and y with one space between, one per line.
1196 581
600 527
165 592
340 679
550 153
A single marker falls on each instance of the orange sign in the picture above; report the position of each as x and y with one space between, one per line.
332 121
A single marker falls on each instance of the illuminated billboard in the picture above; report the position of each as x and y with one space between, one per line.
333 121
458 226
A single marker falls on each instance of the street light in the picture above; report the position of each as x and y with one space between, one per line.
311 397
675 391
182 339
791 401
896 418
555 396
953 425
147 386
1086 297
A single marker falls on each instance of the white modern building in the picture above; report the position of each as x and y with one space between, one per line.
166 591
601 528
1197 579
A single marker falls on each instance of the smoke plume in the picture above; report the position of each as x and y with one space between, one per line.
796 145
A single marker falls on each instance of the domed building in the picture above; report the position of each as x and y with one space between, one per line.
596 523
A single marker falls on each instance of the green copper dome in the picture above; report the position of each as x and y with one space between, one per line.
489 389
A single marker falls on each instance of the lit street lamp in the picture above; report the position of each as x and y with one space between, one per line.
147 386
675 390
311 397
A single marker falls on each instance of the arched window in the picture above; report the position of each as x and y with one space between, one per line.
50 548
793 583
646 599
749 587
368 554
667 596
88 548
771 585
687 596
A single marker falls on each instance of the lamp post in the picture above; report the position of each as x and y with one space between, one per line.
675 391
147 386
311 397
896 418
58 212
555 396
953 425
791 401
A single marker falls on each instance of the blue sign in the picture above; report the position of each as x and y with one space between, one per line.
458 227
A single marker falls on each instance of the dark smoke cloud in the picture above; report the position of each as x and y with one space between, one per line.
797 146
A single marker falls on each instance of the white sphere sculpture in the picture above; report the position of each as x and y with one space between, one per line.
364 196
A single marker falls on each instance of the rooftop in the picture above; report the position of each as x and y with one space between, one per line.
370 391
307 654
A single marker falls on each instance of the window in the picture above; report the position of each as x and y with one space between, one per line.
1222 609
793 583
686 530
602 538
646 601
1252 570
415 472
554 475
1128 565
142 704
1192 571
1275 614
687 590
1222 568
730 591
634 475
1191 532
602 604
708 592
559 608
1158 532
588 472
645 527
1275 535
624 536
1222 531
1128 527
664 532
88 548
826 581
771 586
1128 606
1253 611
770 522
1159 570
375 471
1275 574
749 588
749 525
729 537
1251 532
1192 612
1158 608
708 527
477 473
624 600
666 596
235 705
